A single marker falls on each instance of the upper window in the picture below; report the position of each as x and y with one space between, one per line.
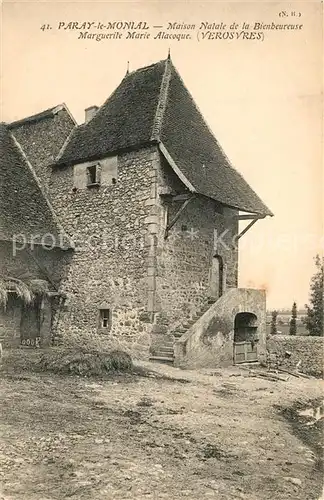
93 175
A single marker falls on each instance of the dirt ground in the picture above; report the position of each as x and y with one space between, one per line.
174 434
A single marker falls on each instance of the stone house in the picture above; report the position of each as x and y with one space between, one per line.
28 226
137 214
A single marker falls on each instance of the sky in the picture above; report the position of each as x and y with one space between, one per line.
263 100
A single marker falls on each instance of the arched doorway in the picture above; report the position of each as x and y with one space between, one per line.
217 277
245 337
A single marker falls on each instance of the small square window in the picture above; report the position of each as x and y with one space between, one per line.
105 318
184 227
93 175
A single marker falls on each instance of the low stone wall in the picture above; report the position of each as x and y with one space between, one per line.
303 352
210 341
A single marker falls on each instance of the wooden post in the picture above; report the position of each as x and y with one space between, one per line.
45 322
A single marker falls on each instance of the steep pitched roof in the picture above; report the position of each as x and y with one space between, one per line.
24 209
42 136
152 104
47 113
125 120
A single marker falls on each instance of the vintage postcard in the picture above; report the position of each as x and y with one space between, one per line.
161 250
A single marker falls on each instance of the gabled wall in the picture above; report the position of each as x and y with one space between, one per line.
112 266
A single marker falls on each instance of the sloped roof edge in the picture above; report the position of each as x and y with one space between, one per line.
192 189
67 239
175 168
65 143
161 105
47 113
262 209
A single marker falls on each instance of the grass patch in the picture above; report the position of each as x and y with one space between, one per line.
82 363
17 360
67 361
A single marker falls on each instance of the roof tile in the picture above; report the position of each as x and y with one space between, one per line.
24 210
128 120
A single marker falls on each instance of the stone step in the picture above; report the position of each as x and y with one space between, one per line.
162 359
166 355
185 326
177 335
180 330
204 309
195 318
163 354
188 324
165 348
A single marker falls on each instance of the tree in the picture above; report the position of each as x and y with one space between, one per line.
314 311
273 327
293 321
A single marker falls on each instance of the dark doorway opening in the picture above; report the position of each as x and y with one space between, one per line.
245 337
30 324
245 327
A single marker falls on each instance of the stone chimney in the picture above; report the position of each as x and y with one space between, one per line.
90 112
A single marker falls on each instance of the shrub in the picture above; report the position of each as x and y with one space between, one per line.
80 362
62 360
293 320
273 327
314 320
137 348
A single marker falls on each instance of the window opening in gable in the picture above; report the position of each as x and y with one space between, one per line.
93 175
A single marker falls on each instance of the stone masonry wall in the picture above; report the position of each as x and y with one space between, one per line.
114 230
304 351
185 257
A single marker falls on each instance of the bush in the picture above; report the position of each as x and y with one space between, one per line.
81 362
63 360
137 348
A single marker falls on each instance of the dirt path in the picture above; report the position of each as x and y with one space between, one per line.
212 434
